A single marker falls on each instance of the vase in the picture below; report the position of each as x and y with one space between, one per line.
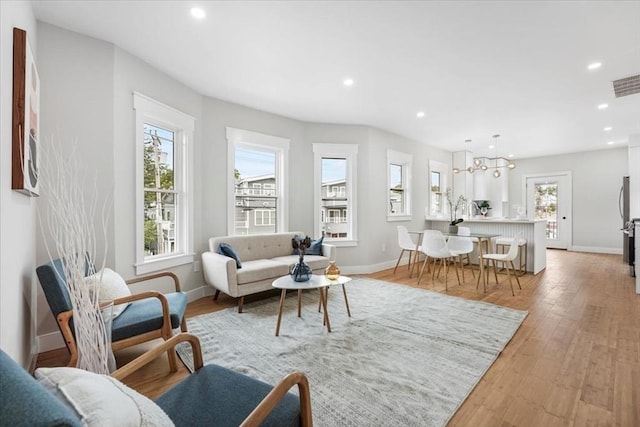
301 272
332 272
453 229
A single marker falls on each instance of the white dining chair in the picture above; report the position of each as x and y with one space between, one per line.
461 247
406 243
435 246
502 242
507 261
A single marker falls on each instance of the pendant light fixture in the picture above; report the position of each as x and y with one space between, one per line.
484 163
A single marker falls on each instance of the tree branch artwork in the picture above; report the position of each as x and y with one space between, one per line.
68 220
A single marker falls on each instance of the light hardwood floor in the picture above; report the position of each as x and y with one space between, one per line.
575 361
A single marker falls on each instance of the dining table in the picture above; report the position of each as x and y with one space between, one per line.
482 239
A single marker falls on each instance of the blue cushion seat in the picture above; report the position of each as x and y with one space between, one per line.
26 402
218 396
146 315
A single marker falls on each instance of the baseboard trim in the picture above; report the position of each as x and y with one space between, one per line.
371 268
54 340
597 250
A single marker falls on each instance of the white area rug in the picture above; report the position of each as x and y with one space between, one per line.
406 357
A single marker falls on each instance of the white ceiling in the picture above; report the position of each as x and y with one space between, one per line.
476 68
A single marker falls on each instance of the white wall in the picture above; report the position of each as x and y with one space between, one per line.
217 115
375 230
18 219
76 74
132 74
597 178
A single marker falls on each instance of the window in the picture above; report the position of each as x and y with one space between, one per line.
335 180
437 187
264 217
259 185
398 186
164 229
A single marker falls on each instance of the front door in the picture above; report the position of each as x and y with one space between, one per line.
549 198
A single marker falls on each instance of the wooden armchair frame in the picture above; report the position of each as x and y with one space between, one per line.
264 408
165 332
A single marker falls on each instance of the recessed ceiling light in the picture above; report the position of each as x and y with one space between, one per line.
607 129
197 13
602 106
348 82
420 114
491 147
510 155
610 142
594 66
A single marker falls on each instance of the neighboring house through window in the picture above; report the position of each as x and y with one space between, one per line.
259 185
335 175
399 186
164 226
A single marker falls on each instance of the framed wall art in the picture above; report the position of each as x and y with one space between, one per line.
26 117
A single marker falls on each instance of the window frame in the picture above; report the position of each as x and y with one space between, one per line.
148 110
443 170
259 141
405 161
349 152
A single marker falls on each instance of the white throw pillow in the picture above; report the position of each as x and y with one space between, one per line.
110 286
99 400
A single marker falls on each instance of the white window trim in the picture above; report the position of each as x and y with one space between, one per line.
151 111
405 161
350 153
250 139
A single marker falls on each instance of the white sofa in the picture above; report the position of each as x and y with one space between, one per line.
264 257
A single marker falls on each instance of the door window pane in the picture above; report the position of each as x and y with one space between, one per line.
547 207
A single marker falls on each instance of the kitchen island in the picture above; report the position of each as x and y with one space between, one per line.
534 231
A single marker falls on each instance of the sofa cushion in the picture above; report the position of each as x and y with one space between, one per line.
261 269
316 247
316 262
256 246
227 250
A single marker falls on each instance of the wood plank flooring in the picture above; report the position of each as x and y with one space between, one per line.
575 361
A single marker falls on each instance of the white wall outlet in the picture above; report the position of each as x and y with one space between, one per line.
384 247
196 266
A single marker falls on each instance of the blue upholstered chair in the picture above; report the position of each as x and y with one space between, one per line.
213 395
150 315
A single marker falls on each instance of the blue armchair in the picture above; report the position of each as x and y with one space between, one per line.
150 315
213 395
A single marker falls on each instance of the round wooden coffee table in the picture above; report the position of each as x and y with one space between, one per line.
316 282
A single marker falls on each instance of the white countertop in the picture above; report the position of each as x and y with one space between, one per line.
489 220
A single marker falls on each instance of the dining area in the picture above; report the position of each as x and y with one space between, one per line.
470 252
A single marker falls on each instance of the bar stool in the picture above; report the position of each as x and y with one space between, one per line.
502 245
